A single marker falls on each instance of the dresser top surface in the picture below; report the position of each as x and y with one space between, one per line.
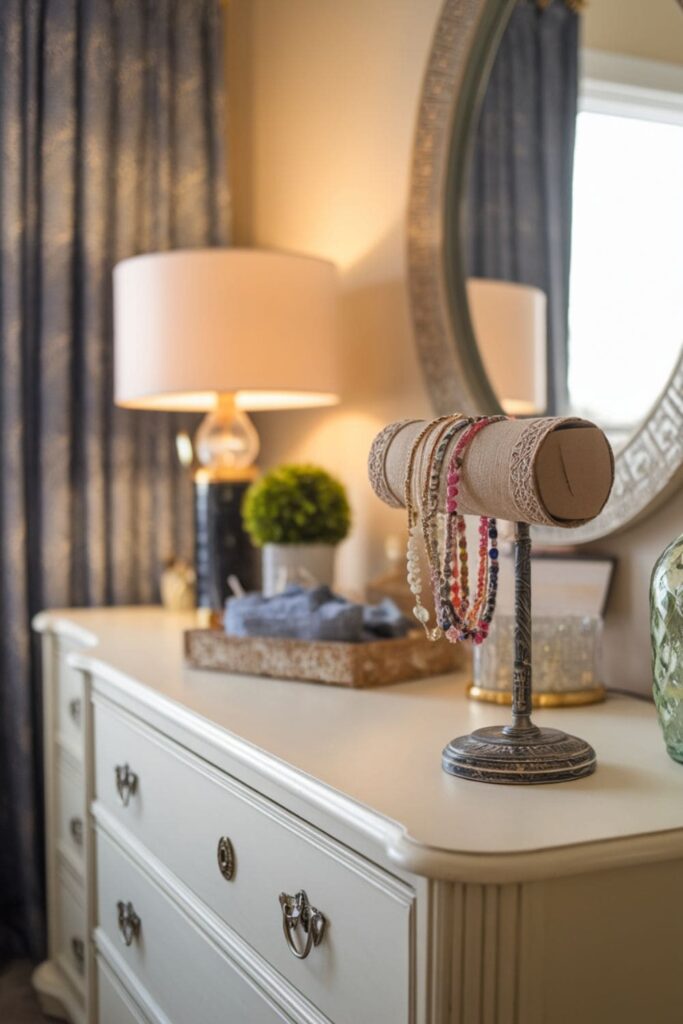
380 749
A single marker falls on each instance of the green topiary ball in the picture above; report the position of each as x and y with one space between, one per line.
296 504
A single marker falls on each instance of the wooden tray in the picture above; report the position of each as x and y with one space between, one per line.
375 663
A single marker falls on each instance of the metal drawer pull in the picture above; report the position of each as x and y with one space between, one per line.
129 922
75 707
76 830
226 858
296 910
126 783
78 950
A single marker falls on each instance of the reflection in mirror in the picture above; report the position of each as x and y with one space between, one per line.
576 189
509 322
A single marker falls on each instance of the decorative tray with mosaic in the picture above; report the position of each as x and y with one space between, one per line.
335 662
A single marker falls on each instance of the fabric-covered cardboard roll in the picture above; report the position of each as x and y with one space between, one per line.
549 471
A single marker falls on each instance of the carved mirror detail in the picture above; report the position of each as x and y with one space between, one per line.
649 455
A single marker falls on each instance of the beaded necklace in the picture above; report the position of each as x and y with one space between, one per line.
457 618
430 505
412 554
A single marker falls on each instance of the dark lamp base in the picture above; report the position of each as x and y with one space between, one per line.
222 548
503 755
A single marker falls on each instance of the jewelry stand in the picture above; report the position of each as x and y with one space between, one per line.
520 753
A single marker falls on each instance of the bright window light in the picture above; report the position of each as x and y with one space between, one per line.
626 285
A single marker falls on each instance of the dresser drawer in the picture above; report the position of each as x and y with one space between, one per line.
70 706
114 1006
70 808
180 810
189 979
71 927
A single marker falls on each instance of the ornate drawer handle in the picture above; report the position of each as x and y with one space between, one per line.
76 830
296 910
226 858
78 950
75 707
129 922
126 783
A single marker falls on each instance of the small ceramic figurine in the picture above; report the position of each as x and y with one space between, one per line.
177 586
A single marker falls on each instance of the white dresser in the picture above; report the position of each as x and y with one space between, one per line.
189 812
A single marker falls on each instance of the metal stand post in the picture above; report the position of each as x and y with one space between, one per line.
520 753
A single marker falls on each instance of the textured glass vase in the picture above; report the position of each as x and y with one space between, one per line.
666 626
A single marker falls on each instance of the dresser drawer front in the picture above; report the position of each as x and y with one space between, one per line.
70 705
114 1006
361 970
71 928
183 972
71 809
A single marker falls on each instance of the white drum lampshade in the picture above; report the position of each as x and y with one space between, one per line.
509 323
222 331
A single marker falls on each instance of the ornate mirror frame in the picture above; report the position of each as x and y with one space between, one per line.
650 465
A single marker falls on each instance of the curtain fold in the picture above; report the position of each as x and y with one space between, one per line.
112 125
519 207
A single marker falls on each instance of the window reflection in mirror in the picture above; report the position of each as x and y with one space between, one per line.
626 283
577 189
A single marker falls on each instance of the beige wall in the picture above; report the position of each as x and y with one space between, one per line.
320 141
652 29
333 92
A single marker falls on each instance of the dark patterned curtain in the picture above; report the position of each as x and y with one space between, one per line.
112 124
520 202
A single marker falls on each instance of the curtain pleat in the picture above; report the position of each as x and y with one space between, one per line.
518 210
112 127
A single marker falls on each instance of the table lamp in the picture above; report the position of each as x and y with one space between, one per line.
509 323
224 331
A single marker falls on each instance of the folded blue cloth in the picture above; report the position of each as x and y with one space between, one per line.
385 619
312 614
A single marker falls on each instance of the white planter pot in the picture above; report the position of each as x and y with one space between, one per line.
296 563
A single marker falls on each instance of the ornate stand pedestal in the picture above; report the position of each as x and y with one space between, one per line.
520 753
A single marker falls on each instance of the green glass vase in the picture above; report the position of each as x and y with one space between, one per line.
666 630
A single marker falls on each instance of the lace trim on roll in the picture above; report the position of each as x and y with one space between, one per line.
525 494
377 463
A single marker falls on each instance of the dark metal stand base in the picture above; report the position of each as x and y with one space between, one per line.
506 755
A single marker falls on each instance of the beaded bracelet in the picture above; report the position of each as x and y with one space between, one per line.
412 555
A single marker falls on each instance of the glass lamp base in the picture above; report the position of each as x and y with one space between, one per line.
500 754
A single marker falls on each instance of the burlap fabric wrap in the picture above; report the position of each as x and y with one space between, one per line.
550 471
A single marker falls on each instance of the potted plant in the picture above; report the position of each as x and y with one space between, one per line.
297 514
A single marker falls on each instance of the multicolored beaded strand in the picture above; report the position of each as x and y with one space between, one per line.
432 478
430 505
412 554
456 616
458 619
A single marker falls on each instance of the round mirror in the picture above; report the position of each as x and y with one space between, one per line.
546 225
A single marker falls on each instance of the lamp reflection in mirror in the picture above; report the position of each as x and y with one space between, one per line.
223 331
509 322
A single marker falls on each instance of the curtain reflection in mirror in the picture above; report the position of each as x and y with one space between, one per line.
519 208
